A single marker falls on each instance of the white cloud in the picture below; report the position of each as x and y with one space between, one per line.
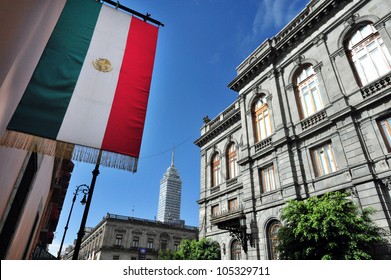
271 16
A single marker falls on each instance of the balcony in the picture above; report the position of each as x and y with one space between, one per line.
227 219
376 86
313 120
263 144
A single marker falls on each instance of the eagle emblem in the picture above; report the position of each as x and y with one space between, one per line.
102 65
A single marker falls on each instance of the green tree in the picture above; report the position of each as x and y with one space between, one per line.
203 249
327 227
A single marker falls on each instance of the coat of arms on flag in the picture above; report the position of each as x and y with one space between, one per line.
90 88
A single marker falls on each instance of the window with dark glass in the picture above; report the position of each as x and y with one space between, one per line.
163 244
118 239
150 243
135 242
176 245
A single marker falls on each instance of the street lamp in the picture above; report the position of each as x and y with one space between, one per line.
240 233
79 189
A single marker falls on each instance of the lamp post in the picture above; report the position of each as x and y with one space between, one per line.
81 188
81 231
239 231
243 233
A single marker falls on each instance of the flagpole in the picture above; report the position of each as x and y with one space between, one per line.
81 232
146 17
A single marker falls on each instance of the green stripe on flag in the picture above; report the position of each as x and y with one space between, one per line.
45 101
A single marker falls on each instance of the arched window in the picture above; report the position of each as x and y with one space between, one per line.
236 250
231 161
262 122
272 231
368 54
308 92
215 170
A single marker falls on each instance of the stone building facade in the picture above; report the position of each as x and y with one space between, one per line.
119 237
313 115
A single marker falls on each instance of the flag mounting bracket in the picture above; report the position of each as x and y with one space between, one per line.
146 17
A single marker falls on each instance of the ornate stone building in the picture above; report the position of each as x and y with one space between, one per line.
313 115
119 237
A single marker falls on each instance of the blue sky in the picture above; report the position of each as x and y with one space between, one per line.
199 48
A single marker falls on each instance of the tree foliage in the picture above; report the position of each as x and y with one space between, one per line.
327 227
203 249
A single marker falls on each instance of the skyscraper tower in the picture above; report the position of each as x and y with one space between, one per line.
169 208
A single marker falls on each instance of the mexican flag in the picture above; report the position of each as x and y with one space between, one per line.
90 88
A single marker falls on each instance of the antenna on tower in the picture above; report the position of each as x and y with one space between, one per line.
173 154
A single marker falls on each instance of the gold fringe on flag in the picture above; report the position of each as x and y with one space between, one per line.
58 149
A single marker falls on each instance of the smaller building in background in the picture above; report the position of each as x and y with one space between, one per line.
119 237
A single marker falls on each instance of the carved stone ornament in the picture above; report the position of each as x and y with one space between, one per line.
319 39
298 60
387 183
289 87
351 20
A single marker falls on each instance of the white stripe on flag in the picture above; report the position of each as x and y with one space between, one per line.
89 109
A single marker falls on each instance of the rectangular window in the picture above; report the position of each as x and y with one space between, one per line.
323 160
385 126
311 101
267 179
215 210
135 241
215 171
163 245
118 239
262 123
150 243
233 204
231 161
176 245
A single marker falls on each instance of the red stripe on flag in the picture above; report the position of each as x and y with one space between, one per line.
126 121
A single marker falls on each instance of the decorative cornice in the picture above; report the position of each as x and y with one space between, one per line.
218 128
302 26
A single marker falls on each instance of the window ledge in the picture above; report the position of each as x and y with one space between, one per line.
215 189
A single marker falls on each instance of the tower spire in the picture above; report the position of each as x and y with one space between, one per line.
173 154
